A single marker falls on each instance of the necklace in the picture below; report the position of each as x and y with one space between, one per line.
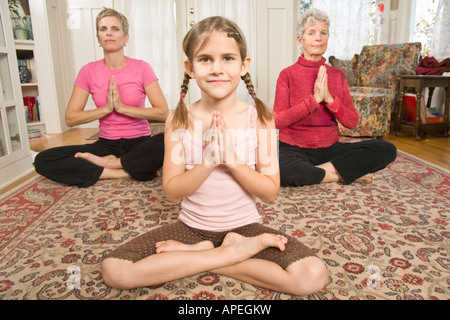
113 66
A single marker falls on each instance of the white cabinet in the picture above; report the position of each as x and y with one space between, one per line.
15 157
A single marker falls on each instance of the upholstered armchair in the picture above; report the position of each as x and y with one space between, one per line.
371 76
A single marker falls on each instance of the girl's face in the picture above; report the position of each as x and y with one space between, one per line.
314 41
110 34
218 66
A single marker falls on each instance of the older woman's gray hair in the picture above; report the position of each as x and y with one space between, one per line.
311 16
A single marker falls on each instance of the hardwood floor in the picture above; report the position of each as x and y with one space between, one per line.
433 147
70 137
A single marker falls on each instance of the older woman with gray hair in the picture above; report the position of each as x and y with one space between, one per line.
310 98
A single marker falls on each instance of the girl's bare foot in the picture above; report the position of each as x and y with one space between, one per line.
109 162
246 247
172 245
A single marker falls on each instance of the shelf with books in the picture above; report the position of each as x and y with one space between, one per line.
33 115
426 116
25 50
412 107
32 109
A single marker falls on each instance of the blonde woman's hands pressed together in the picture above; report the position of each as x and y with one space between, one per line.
114 101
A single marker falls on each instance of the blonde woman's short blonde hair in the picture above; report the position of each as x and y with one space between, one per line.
108 12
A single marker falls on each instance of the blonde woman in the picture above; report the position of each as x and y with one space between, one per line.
119 86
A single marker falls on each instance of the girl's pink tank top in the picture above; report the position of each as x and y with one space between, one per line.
221 203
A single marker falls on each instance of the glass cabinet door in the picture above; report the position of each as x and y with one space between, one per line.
14 146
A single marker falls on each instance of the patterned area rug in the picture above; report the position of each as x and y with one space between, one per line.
386 240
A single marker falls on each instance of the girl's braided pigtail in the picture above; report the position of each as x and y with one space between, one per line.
264 113
181 117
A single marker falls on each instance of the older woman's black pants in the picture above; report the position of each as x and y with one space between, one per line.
140 157
351 160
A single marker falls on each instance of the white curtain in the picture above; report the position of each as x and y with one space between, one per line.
440 47
349 26
153 39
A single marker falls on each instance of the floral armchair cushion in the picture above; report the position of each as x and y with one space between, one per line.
371 76
348 67
379 65
374 107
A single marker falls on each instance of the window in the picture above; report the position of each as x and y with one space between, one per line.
422 23
374 10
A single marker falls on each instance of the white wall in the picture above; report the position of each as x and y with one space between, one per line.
277 47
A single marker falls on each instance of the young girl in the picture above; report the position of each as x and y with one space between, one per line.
219 156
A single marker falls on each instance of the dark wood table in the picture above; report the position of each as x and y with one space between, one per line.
418 83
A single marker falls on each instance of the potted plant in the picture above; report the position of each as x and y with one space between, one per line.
27 18
20 33
13 8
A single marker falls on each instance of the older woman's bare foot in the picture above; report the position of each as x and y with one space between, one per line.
245 247
109 162
368 178
172 245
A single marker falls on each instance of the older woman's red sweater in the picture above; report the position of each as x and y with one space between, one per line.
301 120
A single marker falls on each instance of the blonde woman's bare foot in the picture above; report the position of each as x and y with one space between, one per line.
368 178
172 245
110 161
114 174
246 247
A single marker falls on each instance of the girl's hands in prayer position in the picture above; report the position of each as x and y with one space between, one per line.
220 145
211 153
225 140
